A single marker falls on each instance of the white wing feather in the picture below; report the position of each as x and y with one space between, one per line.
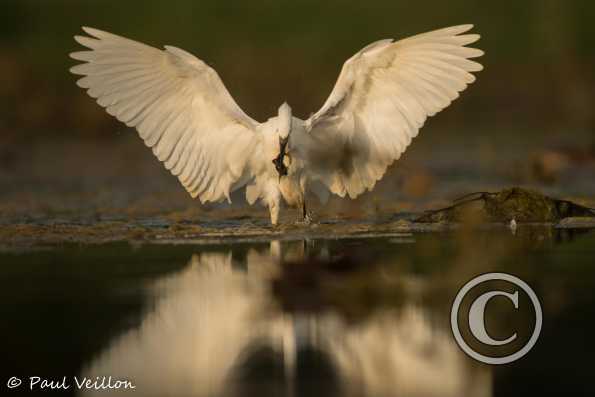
382 98
179 106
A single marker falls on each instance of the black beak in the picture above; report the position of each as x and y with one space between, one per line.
278 161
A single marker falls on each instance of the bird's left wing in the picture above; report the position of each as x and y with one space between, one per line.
381 99
179 106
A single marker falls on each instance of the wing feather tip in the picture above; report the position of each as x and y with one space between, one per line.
76 70
477 53
92 31
89 42
471 38
82 83
465 27
193 194
83 56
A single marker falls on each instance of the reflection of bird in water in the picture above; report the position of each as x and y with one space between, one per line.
213 321
204 318
182 110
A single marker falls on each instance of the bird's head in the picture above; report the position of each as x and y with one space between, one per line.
283 129
284 121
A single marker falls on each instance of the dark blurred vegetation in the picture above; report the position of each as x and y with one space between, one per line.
539 55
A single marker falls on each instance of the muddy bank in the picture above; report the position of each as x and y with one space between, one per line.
518 204
170 232
158 230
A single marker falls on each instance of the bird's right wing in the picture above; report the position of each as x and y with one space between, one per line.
382 98
179 106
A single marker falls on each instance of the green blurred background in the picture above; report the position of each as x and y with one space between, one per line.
539 53
528 120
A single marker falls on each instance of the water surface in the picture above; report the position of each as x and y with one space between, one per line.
344 317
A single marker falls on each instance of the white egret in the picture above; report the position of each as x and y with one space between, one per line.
182 110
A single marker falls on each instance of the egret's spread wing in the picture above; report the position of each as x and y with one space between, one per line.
179 106
382 98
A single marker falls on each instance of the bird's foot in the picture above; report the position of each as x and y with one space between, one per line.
306 220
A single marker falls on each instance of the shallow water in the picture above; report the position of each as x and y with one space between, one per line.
322 317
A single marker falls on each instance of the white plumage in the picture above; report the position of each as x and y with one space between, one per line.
182 110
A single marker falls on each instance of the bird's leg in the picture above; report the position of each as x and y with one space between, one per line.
274 207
